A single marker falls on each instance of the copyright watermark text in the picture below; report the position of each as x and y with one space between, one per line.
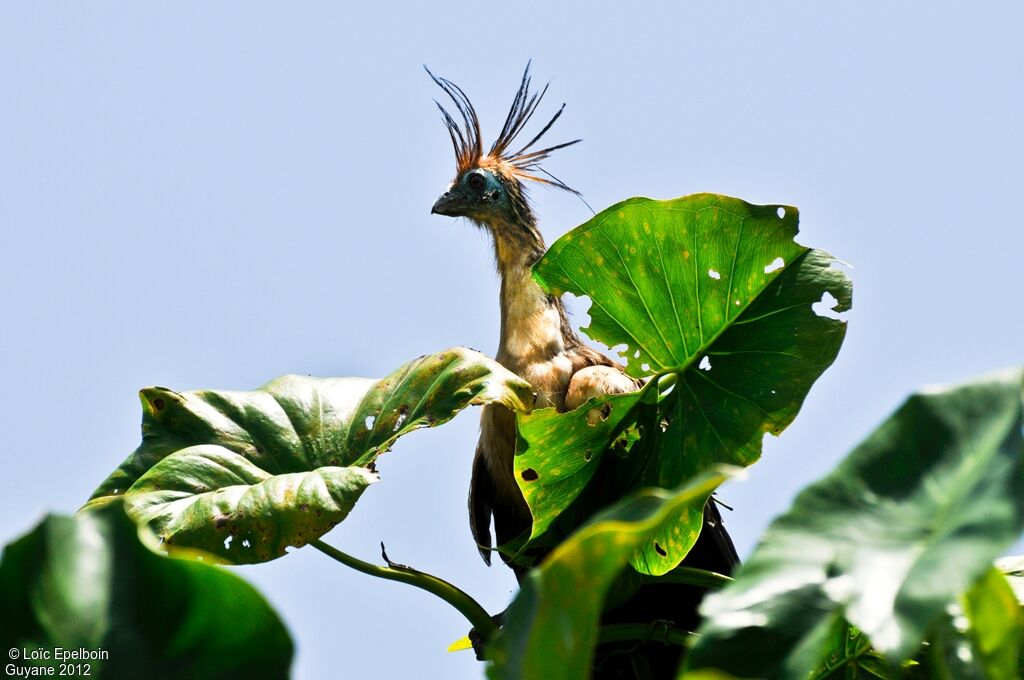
36 662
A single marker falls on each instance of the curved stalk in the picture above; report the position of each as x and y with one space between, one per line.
466 605
939 662
642 632
691 576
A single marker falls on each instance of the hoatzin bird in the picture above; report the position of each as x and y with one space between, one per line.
537 342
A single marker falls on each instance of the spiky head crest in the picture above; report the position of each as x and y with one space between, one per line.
523 164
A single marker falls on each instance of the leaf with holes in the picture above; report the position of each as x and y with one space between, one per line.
677 280
213 499
245 474
904 526
550 620
713 296
88 582
561 452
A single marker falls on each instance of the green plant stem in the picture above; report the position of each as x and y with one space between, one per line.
466 605
691 576
642 632
844 661
939 662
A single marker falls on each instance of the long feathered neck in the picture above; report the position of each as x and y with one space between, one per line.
534 327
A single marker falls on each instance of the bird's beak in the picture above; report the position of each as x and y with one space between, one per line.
451 203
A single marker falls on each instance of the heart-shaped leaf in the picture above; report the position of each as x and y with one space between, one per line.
87 582
904 526
245 474
669 278
713 296
550 620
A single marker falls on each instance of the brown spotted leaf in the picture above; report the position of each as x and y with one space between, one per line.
215 500
280 465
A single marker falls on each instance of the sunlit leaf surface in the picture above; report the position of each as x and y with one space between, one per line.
907 523
244 475
713 295
551 627
87 582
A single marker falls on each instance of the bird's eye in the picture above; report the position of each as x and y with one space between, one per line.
476 182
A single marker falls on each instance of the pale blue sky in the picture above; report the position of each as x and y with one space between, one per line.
214 194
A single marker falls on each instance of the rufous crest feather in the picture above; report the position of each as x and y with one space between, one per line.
466 138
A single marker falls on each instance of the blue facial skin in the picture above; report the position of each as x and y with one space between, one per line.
476 193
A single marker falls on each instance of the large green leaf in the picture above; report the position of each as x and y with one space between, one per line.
243 475
979 638
711 293
668 278
551 628
909 521
559 453
995 625
88 582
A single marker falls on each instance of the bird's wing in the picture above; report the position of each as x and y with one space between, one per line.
714 549
481 491
493 492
